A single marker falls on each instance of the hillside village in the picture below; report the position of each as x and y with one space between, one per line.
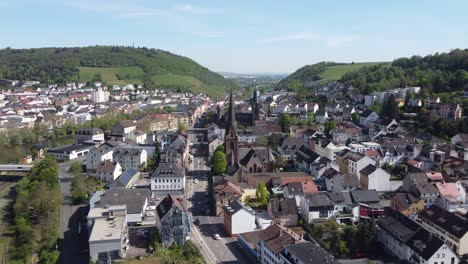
299 176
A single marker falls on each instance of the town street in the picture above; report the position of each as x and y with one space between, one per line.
205 226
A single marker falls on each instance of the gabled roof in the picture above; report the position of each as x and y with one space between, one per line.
123 180
277 237
283 207
168 169
309 253
450 222
365 196
367 113
369 169
319 200
106 166
166 205
235 207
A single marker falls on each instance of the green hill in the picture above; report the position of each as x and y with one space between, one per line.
322 72
156 69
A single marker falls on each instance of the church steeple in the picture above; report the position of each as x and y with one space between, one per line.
230 138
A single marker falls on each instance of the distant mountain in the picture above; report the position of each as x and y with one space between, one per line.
321 72
156 69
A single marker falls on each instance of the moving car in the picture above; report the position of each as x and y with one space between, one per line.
216 237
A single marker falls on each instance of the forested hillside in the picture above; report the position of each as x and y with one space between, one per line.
438 73
113 65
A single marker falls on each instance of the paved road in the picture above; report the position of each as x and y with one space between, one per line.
225 250
73 246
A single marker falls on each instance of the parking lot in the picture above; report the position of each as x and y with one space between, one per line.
138 241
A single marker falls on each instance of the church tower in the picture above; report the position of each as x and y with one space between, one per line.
230 137
255 107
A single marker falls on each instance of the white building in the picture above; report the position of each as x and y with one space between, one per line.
108 232
238 218
98 155
408 241
100 96
130 157
108 170
87 134
69 152
168 178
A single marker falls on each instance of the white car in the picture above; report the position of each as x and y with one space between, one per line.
216 237
149 214
195 181
151 207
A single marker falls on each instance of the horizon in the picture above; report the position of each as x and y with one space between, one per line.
243 37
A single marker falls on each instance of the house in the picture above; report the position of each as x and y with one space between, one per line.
238 218
88 134
411 243
305 158
418 185
289 146
124 128
213 144
174 223
70 152
357 162
434 176
407 203
460 137
375 178
130 158
316 207
108 171
126 180
137 136
368 117
462 186
321 116
449 196
283 211
450 227
168 177
447 111
269 243
136 201
338 182
38 151
98 155
225 192
367 204
306 253
108 234
294 191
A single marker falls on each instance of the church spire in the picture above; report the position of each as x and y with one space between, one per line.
231 122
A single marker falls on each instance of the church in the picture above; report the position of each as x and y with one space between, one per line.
243 160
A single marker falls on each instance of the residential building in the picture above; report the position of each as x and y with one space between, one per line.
238 218
450 227
367 204
130 158
283 211
108 170
368 117
407 203
271 242
169 177
417 184
225 192
411 243
306 253
449 196
375 178
126 180
316 207
174 223
88 134
98 155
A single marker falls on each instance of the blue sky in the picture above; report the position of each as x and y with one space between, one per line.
244 35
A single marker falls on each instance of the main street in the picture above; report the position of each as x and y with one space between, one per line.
205 226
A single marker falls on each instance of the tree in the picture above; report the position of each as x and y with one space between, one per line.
280 161
329 126
390 108
182 127
310 118
285 122
273 140
79 189
220 148
355 118
76 168
218 163
262 194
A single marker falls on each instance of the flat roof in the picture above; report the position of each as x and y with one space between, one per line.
107 229
71 148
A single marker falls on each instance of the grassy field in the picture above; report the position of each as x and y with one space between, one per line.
132 74
335 72
176 80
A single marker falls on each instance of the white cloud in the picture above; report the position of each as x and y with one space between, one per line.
334 41
197 10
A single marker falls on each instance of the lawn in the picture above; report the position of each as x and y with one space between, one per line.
170 79
335 72
131 74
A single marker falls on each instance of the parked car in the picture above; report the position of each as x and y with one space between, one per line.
216 237
150 214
